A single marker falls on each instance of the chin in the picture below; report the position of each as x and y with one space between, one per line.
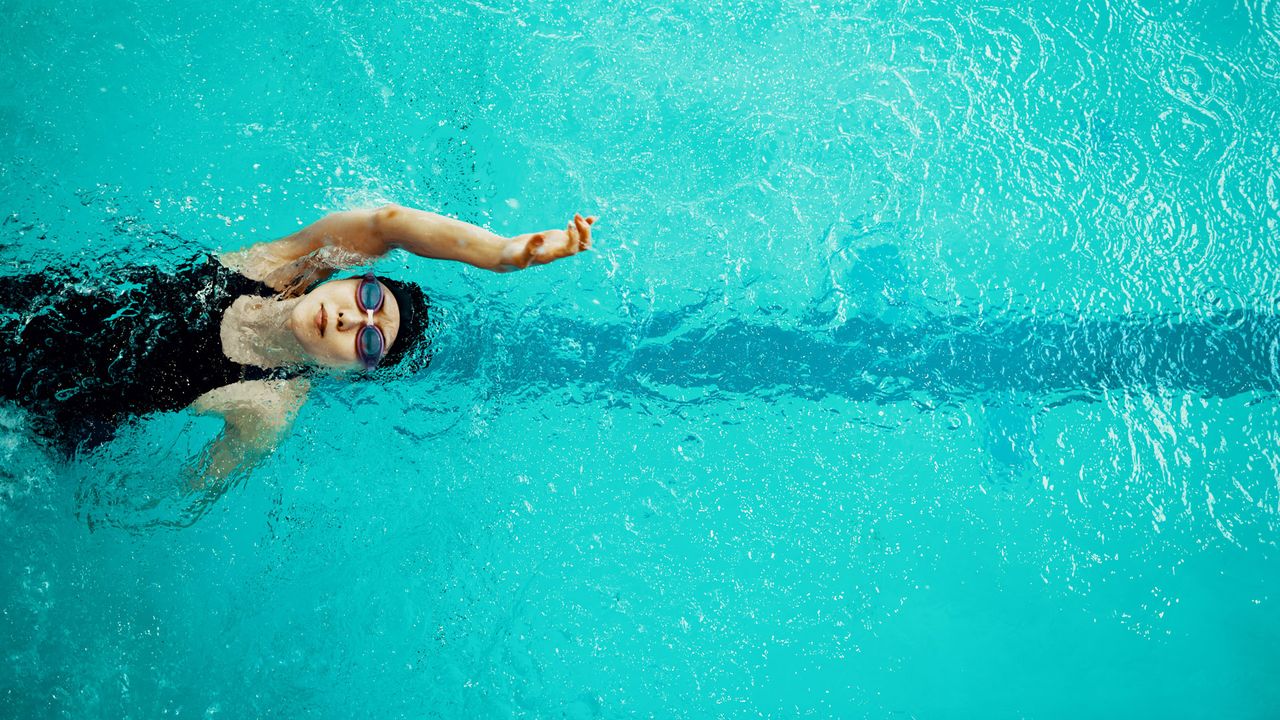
302 321
298 313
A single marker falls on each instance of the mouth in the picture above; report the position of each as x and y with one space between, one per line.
322 319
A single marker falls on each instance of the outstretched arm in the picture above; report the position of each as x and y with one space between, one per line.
427 234
353 236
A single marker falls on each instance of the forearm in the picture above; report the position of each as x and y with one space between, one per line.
429 235
228 454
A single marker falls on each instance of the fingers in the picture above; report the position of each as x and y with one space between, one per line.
573 231
582 235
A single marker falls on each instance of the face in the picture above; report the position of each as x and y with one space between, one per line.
326 320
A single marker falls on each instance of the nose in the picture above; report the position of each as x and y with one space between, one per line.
348 319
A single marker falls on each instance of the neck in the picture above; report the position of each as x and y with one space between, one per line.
256 331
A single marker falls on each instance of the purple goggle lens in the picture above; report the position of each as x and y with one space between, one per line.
370 343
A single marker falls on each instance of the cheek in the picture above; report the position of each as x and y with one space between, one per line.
334 349
303 324
341 347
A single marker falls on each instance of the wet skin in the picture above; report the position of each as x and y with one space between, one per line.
326 321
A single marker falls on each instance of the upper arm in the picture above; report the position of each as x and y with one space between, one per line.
339 239
257 413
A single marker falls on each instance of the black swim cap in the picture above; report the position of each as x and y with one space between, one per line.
411 340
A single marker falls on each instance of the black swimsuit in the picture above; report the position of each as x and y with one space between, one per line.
83 357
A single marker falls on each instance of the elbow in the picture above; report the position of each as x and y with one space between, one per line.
387 212
382 222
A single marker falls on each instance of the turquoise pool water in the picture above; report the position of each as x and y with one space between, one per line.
925 365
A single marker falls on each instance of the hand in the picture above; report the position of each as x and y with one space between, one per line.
543 247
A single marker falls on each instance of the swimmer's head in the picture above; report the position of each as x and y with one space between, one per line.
327 319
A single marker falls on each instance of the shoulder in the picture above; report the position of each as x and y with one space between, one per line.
257 412
227 273
245 261
271 400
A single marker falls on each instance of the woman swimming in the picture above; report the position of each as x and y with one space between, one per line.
237 335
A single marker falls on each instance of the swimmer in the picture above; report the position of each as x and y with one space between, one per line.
238 335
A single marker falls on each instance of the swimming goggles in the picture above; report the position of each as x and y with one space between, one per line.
371 344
